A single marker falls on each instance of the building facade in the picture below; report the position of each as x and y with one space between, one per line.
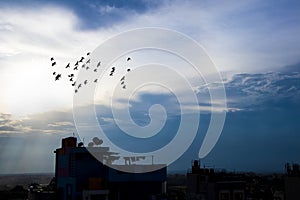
79 175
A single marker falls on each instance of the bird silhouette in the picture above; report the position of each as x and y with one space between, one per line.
128 70
71 79
99 63
71 75
79 86
85 82
75 68
76 90
128 59
54 63
88 53
112 71
73 84
123 78
95 70
52 59
81 59
88 61
83 65
122 83
96 80
87 67
54 73
68 65
76 64
124 87
58 76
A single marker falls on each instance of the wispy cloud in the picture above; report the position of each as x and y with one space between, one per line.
249 91
54 123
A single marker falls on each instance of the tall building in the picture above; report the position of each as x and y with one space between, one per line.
79 175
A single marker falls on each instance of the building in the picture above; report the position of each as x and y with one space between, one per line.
79 175
206 184
292 181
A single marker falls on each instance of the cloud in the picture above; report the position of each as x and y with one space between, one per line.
242 36
29 37
251 90
61 124
238 36
9 125
54 122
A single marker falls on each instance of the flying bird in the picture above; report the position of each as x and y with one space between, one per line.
75 68
128 59
83 65
73 84
88 61
123 78
96 80
128 70
122 83
54 73
52 59
71 79
124 86
85 82
76 90
54 63
87 67
81 59
88 53
79 86
71 75
99 63
95 70
68 65
112 71
58 76
76 64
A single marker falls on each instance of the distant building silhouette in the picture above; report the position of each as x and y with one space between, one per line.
79 175
204 183
292 181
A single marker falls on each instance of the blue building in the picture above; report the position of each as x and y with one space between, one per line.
79 175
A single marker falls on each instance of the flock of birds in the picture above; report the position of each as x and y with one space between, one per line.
86 65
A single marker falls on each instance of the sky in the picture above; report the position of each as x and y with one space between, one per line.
253 44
